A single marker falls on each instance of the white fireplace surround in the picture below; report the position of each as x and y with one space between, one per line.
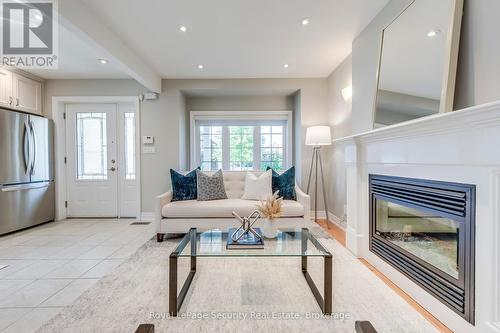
461 146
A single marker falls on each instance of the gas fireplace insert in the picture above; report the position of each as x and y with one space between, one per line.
425 229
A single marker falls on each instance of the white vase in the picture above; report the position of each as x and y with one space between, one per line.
269 229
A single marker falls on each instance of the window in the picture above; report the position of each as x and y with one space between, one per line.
271 147
211 147
241 147
129 145
228 141
91 146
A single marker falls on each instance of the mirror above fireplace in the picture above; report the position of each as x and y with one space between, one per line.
418 61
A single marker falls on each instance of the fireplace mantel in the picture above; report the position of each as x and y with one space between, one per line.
461 146
476 117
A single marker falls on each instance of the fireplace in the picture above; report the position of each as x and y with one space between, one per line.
425 229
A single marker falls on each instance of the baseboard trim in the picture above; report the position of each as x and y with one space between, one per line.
331 217
147 216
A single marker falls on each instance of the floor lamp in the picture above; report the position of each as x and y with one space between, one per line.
318 136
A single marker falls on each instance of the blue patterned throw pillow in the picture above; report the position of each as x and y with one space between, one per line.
183 186
285 184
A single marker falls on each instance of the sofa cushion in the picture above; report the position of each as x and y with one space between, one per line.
223 208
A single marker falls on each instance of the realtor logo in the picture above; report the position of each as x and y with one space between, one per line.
29 33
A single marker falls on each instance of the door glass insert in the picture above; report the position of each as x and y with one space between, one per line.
91 146
129 145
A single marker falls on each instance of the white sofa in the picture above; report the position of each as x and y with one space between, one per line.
180 216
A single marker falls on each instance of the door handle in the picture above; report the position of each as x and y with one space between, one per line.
10 100
26 147
17 101
112 169
33 161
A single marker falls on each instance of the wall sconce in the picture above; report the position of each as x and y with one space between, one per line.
347 93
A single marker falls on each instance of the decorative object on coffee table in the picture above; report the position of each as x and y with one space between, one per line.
271 209
246 226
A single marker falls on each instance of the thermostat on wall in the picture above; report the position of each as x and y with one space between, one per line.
148 139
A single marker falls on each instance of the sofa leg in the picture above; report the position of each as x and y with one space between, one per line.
159 237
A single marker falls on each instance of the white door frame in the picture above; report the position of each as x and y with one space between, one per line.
58 109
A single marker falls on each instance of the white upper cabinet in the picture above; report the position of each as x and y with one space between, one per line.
19 92
6 99
27 94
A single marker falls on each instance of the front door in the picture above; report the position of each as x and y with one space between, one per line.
91 171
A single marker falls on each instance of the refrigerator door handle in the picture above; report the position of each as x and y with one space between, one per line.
26 147
33 161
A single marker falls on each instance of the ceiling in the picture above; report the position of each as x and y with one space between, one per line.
230 38
78 60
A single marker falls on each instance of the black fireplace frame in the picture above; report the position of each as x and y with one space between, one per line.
451 200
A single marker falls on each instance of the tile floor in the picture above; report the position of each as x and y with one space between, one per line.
49 266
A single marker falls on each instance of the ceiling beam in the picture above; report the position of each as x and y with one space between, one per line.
77 18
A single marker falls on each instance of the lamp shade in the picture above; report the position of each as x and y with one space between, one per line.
318 136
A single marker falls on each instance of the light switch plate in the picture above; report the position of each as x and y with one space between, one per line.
149 150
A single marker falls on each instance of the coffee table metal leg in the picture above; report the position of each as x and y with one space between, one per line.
174 301
327 306
304 250
325 302
172 290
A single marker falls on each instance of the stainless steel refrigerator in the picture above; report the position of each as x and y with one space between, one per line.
27 193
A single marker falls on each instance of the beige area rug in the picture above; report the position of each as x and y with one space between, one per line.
237 295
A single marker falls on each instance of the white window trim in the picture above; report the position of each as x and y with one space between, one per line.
239 115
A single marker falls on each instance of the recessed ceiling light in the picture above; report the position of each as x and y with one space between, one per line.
200 66
433 33
285 66
102 61
306 21
183 28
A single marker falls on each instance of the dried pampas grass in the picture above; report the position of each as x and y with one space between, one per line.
271 208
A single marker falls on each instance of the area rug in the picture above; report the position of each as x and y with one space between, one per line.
237 295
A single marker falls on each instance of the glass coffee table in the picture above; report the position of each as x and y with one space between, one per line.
294 243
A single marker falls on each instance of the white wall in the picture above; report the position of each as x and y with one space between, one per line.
165 118
478 79
240 103
340 112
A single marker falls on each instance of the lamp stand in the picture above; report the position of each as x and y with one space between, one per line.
315 161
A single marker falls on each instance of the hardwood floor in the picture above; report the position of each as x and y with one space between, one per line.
339 234
335 231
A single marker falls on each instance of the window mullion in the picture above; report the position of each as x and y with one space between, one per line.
256 148
197 148
225 147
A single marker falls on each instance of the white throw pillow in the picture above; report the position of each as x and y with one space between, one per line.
258 188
